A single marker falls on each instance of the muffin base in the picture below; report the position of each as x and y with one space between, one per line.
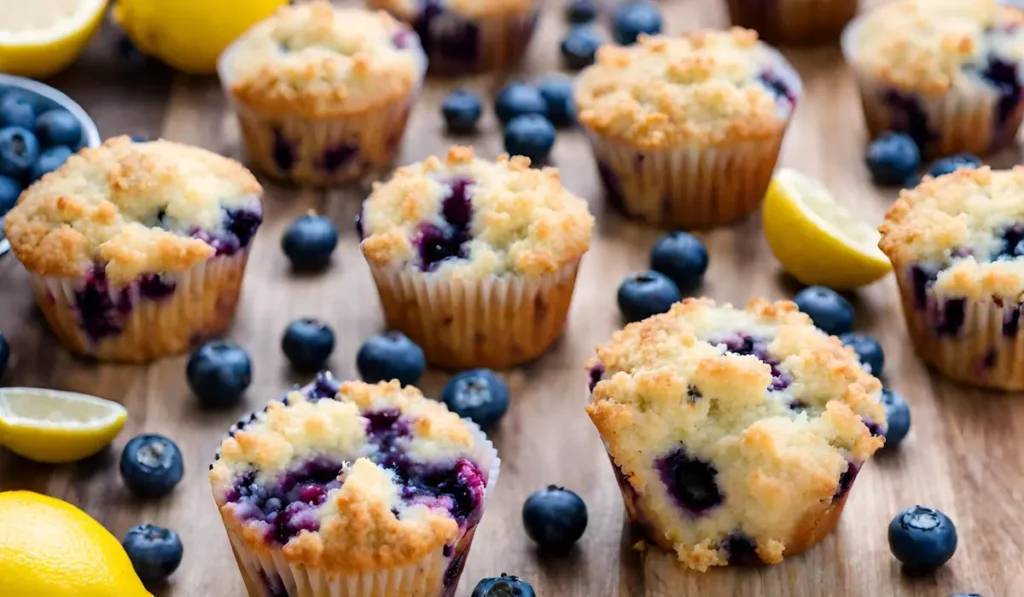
794 22
496 322
202 305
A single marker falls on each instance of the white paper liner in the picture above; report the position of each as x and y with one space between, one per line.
202 305
794 22
496 322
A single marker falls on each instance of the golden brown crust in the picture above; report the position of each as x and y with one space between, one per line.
408 10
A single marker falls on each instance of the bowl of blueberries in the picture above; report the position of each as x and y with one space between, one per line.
40 128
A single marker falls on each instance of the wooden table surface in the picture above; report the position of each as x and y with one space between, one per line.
962 455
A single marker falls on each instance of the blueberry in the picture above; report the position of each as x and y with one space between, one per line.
518 99
826 308
579 47
968 595
309 241
139 139
391 355
49 160
634 18
503 586
16 110
531 135
557 93
952 163
58 127
922 538
897 413
19 149
868 350
461 111
682 257
308 344
151 465
5 355
218 373
478 395
155 552
892 158
10 190
644 294
555 518
580 11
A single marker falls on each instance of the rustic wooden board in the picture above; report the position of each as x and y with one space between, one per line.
962 455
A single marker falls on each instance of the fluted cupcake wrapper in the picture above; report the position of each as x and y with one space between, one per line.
496 322
190 306
794 22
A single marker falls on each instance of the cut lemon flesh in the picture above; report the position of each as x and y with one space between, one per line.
41 37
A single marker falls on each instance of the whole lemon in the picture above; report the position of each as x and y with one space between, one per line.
49 547
189 35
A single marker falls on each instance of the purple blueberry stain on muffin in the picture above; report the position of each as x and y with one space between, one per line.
1011 323
690 481
154 287
102 311
283 151
437 244
950 314
338 156
273 583
596 374
743 344
909 117
741 549
846 480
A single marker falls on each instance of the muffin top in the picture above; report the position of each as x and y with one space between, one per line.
352 477
933 46
411 10
137 208
704 87
469 218
321 61
963 230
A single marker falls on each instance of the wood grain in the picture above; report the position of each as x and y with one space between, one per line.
962 455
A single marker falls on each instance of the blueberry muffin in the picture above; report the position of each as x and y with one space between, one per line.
943 71
794 22
955 243
323 94
475 260
463 37
735 436
686 130
353 489
137 250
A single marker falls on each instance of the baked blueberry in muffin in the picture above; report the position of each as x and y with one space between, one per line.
735 435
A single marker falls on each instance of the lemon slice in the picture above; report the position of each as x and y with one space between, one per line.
816 239
52 426
41 37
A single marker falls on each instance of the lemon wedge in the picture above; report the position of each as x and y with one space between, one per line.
39 38
816 239
54 427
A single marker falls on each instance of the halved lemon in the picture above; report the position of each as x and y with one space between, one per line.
55 427
817 240
39 38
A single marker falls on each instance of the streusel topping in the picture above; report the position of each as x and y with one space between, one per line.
706 87
469 218
410 10
138 208
321 61
933 46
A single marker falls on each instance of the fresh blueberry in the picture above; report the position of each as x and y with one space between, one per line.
892 158
826 308
19 149
461 111
555 518
151 465
58 127
634 18
10 190
922 538
557 93
580 11
218 373
968 595
519 99
5 354
391 355
49 160
139 139
531 135
309 241
682 257
579 47
503 586
16 110
868 350
644 294
897 413
155 552
952 163
478 395
307 343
